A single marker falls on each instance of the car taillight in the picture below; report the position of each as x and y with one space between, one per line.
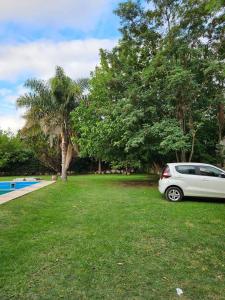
166 173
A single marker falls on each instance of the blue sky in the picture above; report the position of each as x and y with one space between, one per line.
37 35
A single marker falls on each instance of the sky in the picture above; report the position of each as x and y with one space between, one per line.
38 35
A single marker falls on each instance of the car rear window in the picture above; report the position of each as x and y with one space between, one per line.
189 170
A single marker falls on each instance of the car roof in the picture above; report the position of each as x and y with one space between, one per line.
189 163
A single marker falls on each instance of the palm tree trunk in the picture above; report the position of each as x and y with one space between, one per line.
64 152
69 155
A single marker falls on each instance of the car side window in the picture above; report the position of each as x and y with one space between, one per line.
210 171
188 170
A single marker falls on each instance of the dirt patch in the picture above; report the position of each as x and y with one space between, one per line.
137 183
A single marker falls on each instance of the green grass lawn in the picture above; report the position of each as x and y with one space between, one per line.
110 237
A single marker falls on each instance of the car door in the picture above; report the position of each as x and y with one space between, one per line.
187 178
212 181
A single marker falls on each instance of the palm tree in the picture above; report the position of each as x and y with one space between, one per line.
49 104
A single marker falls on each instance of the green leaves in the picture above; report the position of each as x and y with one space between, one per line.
171 136
12 150
157 88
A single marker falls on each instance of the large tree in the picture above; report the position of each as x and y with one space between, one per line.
49 104
161 89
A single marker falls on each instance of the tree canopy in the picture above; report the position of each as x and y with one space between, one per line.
159 94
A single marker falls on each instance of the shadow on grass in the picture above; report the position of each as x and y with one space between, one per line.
207 200
137 183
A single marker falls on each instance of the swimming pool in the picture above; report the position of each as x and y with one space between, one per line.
4 192
10 186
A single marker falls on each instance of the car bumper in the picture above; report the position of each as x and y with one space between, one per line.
161 187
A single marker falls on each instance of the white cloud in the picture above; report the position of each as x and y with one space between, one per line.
10 117
39 58
79 14
9 97
11 122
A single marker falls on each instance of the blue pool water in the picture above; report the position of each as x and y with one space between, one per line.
4 192
9 186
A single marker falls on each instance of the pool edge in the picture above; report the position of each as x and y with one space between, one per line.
21 192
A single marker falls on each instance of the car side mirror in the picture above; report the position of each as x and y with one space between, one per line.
222 175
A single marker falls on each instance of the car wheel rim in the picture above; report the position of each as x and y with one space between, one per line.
174 195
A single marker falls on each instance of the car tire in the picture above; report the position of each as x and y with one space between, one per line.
174 194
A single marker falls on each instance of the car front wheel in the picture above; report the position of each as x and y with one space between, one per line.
174 194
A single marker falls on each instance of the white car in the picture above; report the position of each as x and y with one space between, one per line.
192 179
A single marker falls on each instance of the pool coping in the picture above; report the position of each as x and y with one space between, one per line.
26 190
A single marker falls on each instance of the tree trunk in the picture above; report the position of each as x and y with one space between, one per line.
69 155
183 156
177 156
192 146
64 153
181 118
221 120
99 166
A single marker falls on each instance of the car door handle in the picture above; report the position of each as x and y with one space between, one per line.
205 179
